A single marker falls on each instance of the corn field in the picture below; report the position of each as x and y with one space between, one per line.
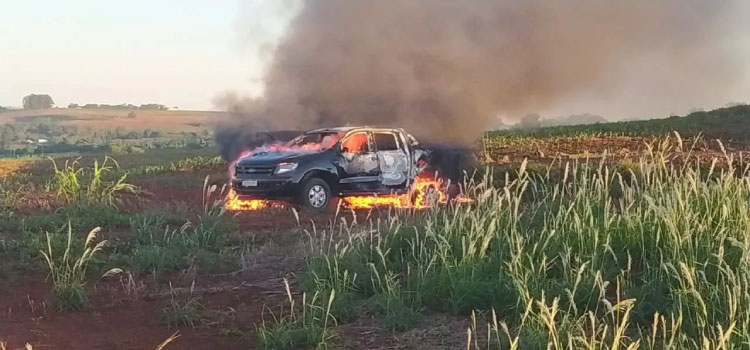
654 257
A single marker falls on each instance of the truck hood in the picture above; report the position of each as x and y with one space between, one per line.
273 157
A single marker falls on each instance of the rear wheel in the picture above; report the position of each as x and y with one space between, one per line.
315 194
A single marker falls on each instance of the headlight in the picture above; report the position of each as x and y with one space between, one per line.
283 168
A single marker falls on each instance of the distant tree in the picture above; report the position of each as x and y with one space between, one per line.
530 121
119 132
8 136
3 109
575 119
151 106
131 115
73 105
35 101
735 104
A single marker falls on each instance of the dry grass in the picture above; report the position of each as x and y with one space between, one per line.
10 166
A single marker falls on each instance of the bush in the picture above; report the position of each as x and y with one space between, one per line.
122 149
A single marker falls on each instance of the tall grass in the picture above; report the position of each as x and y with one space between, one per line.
68 273
298 328
188 313
88 185
652 258
186 164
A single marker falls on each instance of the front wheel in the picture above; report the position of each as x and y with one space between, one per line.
315 194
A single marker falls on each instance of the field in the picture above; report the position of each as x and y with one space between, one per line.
609 236
102 130
112 118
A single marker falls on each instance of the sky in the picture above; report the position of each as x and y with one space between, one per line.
185 53
174 52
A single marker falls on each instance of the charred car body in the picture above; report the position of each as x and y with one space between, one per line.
321 164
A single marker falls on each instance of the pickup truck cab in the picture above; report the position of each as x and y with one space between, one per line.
321 164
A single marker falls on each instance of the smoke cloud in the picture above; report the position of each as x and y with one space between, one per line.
445 69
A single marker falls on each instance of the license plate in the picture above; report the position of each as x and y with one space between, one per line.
249 183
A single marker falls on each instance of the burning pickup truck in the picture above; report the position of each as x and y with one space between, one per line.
364 166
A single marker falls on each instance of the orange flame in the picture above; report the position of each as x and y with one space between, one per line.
419 198
427 192
233 202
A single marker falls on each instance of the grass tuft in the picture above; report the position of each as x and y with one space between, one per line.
188 313
88 185
69 274
296 329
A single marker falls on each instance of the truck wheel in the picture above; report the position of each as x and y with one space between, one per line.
315 194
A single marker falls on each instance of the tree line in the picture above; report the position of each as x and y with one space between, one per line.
124 106
43 101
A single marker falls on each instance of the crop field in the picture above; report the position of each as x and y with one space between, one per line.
114 131
169 120
611 236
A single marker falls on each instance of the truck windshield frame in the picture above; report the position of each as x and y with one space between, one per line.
326 140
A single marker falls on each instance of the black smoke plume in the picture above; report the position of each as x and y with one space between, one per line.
445 69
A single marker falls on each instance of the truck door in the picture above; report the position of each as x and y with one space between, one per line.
393 159
359 163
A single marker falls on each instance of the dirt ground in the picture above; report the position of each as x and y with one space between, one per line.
126 314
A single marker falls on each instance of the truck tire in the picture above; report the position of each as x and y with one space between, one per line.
315 194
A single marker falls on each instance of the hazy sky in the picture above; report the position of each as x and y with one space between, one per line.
175 52
186 52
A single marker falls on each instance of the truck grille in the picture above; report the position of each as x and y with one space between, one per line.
253 169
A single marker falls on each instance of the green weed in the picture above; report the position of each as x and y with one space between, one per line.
69 274
296 329
87 185
80 216
188 313
400 310
204 243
